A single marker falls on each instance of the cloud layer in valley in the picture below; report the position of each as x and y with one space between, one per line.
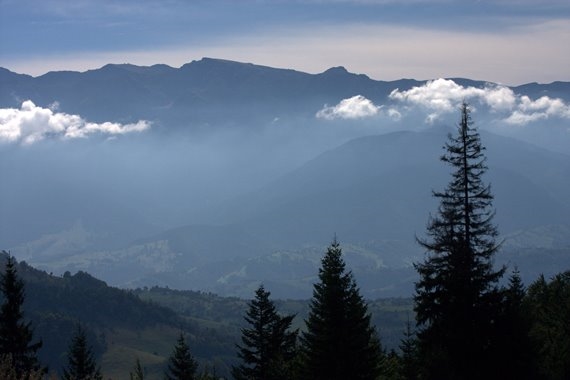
442 96
356 107
439 97
32 123
529 110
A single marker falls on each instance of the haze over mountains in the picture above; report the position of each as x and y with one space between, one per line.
219 174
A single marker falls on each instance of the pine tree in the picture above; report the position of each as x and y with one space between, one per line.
138 373
16 336
267 347
548 304
457 299
81 364
181 364
408 347
8 372
340 342
391 366
514 354
208 374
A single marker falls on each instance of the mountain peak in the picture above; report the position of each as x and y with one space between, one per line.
337 70
134 69
206 61
340 72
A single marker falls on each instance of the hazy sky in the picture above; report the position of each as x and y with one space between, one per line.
505 41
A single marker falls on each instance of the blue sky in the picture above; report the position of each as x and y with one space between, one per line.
505 41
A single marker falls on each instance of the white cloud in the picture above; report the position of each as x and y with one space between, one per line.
31 124
499 98
543 108
357 107
442 96
394 114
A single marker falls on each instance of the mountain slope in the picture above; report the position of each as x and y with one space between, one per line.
375 205
361 192
120 326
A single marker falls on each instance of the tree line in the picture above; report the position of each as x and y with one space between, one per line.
467 325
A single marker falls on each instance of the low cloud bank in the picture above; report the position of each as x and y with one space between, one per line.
543 108
442 96
31 124
357 107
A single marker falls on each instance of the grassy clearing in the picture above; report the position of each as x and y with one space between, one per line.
151 346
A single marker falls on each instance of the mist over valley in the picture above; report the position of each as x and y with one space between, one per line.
221 175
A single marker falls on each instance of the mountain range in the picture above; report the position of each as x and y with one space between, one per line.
240 179
211 91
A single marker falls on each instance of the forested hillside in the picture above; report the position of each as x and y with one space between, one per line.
123 325
119 325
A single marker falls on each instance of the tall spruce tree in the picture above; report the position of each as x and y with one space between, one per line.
181 364
457 299
268 347
340 342
81 364
16 335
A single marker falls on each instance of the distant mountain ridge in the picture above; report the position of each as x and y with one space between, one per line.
177 96
192 94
